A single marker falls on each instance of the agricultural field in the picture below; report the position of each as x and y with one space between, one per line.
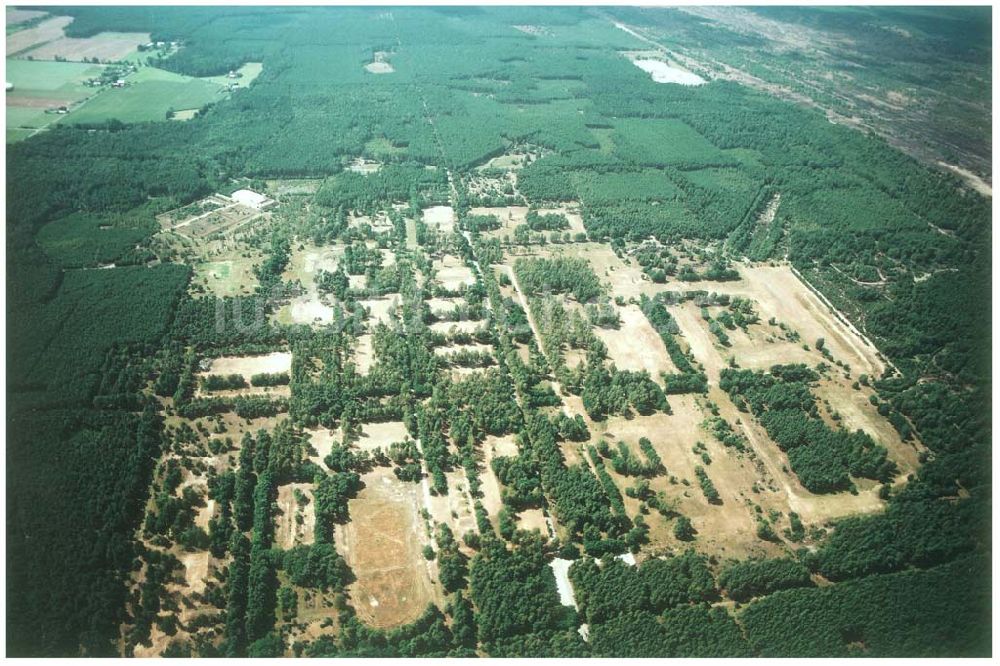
488 332
149 94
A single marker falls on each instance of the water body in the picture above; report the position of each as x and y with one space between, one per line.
664 73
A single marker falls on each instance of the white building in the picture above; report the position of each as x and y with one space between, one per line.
251 199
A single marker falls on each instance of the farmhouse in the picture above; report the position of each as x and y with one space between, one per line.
251 199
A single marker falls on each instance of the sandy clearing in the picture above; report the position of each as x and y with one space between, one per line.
381 435
307 310
363 166
452 274
442 217
636 345
560 568
205 514
446 304
533 519
857 413
287 530
509 217
448 327
383 545
727 529
474 347
195 570
778 292
490 485
46 31
247 366
364 354
501 446
381 309
322 441
974 181
688 318
661 72
456 508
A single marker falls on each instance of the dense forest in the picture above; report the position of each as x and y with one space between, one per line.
95 352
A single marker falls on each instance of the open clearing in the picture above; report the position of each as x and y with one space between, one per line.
636 345
382 544
46 31
148 95
294 523
103 46
440 217
381 435
661 72
247 366
452 273
16 16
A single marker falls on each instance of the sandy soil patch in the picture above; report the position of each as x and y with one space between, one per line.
451 349
382 544
452 274
448 327
184 114
380 63
508 216
442 217
363 166
381 435
304 264
501 446
974 181
560 568
381 309
364 354
533 519
857 413
571 212
636 345
778 292
661 72
489 484
288 531
322 441
306 310
195 570
46 31
205 514
456 508
247 366
626 280
727 529
411 234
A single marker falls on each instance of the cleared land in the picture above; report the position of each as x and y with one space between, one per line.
382 544
148 95
103 46
636 345
46 31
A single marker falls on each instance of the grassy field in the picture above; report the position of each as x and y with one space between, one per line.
150 94
248 72
41 85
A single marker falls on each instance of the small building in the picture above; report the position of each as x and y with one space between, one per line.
10 86
251 199
120 83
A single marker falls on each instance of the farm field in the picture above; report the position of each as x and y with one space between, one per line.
495 332
148 96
